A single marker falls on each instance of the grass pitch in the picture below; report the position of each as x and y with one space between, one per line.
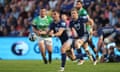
38 66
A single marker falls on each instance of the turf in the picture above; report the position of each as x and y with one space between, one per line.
38 66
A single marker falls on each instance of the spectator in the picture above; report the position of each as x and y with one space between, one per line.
65 19
102 20
67 5
5 31
1 9
96 18
53 3
87 3
118 10
113 18
7 11
19 26
15 13
30 16
1 31
23 13
13 32
3 20
118 23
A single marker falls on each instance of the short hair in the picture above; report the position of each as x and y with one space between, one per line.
56 11
79 1
74 9
43 8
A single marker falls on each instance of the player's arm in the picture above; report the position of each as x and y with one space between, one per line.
34 28
72 32
100 40
61 29
43 32
91 22
50 30
59 33
75 35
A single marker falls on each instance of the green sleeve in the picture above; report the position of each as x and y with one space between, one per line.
83 12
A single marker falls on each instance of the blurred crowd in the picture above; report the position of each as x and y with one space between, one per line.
16 15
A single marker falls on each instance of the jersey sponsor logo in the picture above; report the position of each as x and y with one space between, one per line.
77 26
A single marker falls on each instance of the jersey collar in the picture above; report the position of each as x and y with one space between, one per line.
43 18
80 9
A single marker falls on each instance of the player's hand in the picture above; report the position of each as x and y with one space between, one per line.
38 33
51 33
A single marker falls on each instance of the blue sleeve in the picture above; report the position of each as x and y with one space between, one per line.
51 26
100 32
83 19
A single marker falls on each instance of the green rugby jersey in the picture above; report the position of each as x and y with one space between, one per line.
42 23
82 12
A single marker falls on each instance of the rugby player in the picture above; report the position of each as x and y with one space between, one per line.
80 33
40 26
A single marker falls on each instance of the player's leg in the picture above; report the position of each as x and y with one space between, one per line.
107 40
85 46
66 46
92 45
99 47
95 51
42 49
70 54
48 42
78 44
104 53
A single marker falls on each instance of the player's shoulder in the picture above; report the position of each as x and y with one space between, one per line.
83 11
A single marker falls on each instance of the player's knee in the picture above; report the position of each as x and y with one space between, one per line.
78 44
63 50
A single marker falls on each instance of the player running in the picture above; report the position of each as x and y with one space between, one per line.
40 25
83 14
80 33
58 27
